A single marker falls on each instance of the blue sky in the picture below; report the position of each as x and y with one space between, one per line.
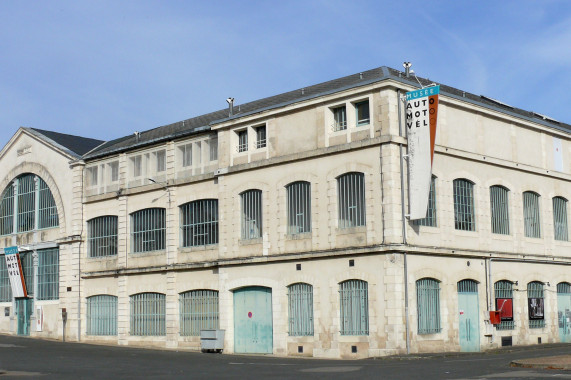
105 69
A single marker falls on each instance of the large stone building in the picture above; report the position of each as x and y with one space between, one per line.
281 222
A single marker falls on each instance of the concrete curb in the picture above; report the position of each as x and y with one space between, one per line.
550 362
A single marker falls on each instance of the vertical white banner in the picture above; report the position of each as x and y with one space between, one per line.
15 272
557 154
421 117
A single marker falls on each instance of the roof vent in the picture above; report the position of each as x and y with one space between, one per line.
230 106
137 135
407 66
303 91
360 75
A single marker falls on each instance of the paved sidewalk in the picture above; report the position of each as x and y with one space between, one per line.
549 362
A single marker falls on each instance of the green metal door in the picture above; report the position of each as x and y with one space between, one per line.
469 324
253 331
24 308
564 312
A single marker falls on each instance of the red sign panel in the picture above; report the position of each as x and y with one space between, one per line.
505 307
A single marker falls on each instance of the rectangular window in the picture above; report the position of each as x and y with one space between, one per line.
243 141
114 171
531 214
351 199
362 111
5 288
148 314
137 166
428 306
535 305
300 307
430 219
261 137
102 315
199 223
464 205
298 208
48 274
251 202
27 259
186 155
503 291
148 230
354 307
102 236
339 118
92 174
499 210
560 227
213 149
199 310
161 161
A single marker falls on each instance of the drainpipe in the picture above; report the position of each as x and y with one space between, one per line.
403 217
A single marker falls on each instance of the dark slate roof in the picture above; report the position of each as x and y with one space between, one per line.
75 145
201 124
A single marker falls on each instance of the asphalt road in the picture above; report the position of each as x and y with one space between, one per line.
25 358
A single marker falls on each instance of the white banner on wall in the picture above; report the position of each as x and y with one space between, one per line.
421 116
15 272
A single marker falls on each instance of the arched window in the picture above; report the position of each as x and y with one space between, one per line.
199 223
199 310
428 305
300 305
351 200
148 314
500 210
102 236
467 286
531 214
354 302
535 305
102 315
464 217
148 230
298 207
503 291
560 227
27 205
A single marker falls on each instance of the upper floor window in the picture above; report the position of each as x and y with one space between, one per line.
102 236
148 230
560 227
137 166
113 171
351 199
464 205
213 148
199 223
261 137
500 210
428 305
430 219
362 111
242 141
339 118
354 307
27 204
92 176
531 214
251 202
186 155
298 207
161 161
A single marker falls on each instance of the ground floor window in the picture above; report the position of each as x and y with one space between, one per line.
48 274
535 305
504 304
354 302
148 311
199 310
300 307
428 305
102 315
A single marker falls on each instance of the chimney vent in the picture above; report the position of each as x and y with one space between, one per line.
407 66
230 106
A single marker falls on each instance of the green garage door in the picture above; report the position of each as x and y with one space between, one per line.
253 329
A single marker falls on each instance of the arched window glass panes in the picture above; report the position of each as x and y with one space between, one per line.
464 216
500 210
531 218
199 310
298 208
354 302
148 314
428 305
102 315
351 200
148 230
561 229
102 236
300 313
199 223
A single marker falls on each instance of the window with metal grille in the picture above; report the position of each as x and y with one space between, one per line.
5 288
464 218
27 260
351 199
199 310
531 214
102 315
354 310
467 286
242 140
148 314
48 274
563 288
535 305
148 230
560 227
102 236
251 214
298 207
428 305
261 137
33 202
300 306
503 292
339 118
430 219
362 111
499 210
199 223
